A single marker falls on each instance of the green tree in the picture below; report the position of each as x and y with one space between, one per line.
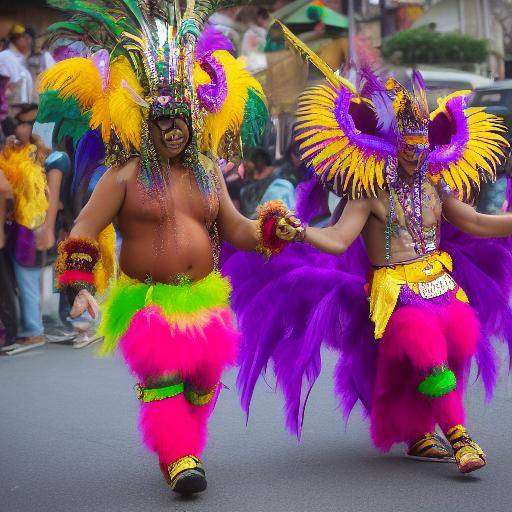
426 46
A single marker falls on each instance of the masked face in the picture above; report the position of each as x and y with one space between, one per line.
171 136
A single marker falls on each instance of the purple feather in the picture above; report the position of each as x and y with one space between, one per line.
90 153
441 156
213 94
370 83
212 40
420 92
311 200
386 119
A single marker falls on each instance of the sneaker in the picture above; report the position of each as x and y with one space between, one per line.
431 448
468 455
185 476
7 348
27 344
64 338
85 339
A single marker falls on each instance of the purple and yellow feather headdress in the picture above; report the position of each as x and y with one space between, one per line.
351 134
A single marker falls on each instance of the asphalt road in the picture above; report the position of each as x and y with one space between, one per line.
69 442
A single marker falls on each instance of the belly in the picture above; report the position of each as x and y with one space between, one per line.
166 251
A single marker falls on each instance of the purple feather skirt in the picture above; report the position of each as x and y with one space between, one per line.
301 300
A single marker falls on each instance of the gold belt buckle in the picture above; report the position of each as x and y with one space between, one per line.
437 287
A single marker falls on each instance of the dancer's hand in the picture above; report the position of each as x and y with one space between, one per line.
45 238
290 229
84 301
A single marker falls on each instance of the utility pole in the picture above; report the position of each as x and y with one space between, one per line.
352 54
384 19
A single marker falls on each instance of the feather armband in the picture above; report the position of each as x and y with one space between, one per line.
277 226
75 266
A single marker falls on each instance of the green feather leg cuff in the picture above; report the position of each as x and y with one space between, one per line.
152 394
439 383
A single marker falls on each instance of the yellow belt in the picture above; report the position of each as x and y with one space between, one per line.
388 281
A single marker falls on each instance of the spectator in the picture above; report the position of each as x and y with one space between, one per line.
291 167
8 315
234 177
32 249
254 39
225 22
19 65
263 184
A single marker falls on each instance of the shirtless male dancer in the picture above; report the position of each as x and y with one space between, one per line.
169 309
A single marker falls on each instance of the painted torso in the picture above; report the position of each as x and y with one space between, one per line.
403 239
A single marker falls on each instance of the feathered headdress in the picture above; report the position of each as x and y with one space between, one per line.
151 59
351 134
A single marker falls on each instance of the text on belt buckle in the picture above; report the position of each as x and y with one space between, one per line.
439 286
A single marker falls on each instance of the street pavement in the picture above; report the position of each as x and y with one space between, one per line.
69 442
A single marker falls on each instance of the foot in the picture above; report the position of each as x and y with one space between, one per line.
27 344
84 340
185 476
468 455
431 448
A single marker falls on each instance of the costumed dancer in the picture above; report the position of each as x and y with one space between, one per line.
412 302
169 100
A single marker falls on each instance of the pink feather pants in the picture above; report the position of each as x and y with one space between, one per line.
198 354
417 339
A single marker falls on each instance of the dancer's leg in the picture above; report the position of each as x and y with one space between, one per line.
413 345
175 428
462 330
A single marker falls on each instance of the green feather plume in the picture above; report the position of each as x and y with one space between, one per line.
97 12
71 26
255 119
66 114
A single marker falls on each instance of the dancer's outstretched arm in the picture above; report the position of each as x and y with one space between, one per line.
467 219
338 238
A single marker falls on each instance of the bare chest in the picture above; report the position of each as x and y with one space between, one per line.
181 197
407 223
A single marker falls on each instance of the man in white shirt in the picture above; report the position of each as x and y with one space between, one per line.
16 63
13 66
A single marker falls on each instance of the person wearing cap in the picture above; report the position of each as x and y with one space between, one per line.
17 68
14 67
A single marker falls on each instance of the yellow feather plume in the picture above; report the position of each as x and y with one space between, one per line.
125 114
230 116
106 268
28 181
77 77
112 108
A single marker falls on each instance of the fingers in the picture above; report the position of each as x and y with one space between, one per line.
84 301
77 310
92 310
286 232
290 228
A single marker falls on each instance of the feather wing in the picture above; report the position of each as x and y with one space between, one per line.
466 143
338 137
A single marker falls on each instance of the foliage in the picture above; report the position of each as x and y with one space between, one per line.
426 46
